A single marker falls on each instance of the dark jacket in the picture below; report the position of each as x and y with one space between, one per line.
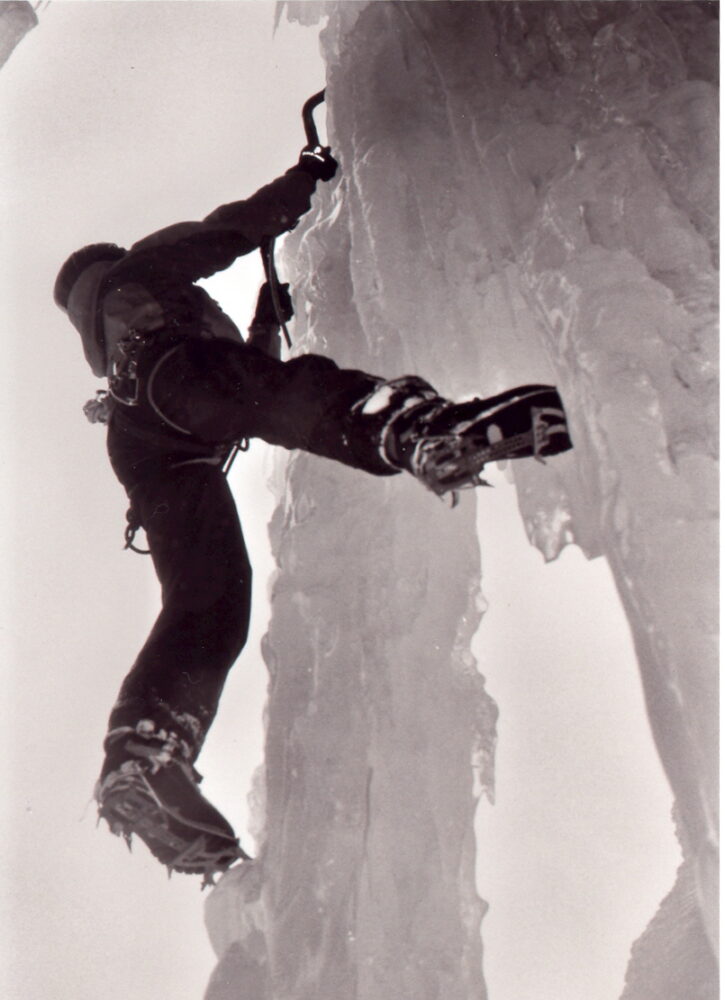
152 290
152 286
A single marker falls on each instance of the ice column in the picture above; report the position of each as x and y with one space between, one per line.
527 193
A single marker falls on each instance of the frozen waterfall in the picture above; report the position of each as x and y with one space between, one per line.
527 193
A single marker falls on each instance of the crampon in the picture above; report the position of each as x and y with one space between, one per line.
450 457
169 814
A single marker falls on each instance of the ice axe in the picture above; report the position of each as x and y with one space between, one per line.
308 118
267 248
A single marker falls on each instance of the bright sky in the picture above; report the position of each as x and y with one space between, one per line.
120 118
117 118
579 849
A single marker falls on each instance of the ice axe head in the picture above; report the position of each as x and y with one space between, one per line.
308 118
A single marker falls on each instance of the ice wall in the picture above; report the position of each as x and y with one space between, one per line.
528 192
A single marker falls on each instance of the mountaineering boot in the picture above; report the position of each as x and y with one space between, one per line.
149 787
445 445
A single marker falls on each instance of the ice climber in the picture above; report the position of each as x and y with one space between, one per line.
183 388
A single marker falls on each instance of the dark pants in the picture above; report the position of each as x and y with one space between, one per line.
214 393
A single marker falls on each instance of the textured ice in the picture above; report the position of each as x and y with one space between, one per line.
528 192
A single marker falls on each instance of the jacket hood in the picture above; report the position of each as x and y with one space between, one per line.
83 313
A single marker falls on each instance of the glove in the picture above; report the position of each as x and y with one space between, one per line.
318 163
265 312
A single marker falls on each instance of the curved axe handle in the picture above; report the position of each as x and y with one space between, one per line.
308 119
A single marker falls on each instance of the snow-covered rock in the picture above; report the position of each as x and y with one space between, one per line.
528 192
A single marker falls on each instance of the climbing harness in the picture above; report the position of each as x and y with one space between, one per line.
123 368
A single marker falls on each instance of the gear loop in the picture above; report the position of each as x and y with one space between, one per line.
133 525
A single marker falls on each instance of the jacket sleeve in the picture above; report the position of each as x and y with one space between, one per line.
194 250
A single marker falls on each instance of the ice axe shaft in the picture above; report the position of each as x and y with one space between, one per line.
267 248
267 251
308 117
